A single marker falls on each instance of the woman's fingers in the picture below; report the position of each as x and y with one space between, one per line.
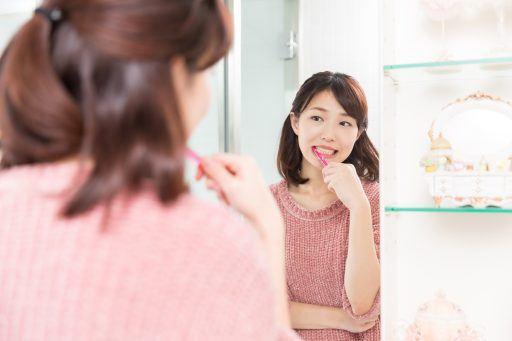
235 163
222 197
199 173
330 169
212 185
216 172
369 325
362 327
328 182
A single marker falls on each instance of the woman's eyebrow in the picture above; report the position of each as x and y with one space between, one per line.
319 109
342 113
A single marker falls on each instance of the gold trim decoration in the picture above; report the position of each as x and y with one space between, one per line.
477 96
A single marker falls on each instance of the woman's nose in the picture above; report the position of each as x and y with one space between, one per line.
328 135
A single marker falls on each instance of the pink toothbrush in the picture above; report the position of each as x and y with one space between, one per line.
320 157
193 156
197 159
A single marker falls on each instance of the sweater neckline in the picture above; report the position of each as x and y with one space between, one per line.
297 210
47 175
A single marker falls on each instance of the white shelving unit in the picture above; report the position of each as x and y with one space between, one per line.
461 252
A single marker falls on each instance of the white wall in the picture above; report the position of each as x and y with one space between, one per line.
344 36
12 15
418 38
467 256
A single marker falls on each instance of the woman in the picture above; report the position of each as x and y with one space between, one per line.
329 198
99 237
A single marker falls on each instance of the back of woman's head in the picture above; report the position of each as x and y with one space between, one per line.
97 84
351 97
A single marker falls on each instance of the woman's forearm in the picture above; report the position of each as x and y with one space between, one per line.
311 316
275 249
362 268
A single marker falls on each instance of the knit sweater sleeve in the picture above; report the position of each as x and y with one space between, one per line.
373 194
275 192
252 289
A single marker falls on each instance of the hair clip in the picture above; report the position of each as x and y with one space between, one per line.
53 15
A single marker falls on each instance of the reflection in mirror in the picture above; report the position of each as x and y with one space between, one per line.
332 277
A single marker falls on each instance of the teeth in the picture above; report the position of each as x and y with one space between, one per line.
325 151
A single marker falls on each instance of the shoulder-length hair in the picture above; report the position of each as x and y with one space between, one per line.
97 84
351 97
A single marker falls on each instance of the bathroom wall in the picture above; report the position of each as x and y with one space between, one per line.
344 36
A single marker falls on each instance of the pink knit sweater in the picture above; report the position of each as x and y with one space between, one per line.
316 251
188 271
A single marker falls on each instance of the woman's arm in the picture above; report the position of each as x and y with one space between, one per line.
312 316
238 181
362 268
274 247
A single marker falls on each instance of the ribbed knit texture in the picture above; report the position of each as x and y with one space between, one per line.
316 252
187 271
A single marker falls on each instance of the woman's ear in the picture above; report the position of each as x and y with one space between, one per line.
360 132
294 120
180 80
178 70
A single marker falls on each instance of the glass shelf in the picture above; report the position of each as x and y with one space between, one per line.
483 61
496 67
393 209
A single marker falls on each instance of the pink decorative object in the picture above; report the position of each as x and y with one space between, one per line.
440 319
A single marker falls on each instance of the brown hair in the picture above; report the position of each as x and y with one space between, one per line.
351 97
97 84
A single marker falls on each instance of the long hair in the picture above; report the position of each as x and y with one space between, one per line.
351 97
97 85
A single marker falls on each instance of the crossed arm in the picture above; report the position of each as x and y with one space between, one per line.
361 285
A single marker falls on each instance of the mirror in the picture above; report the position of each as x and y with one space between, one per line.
478 125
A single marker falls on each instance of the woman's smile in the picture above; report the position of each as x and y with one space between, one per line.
326 152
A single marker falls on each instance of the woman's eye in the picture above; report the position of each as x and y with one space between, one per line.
346 124
316 118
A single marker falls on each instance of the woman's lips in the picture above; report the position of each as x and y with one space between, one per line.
322 152
321 156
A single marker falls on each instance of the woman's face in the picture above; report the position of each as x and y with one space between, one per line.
192 94
324 124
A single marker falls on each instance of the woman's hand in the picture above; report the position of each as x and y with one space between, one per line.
239 182
357 326
313 316
342 178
